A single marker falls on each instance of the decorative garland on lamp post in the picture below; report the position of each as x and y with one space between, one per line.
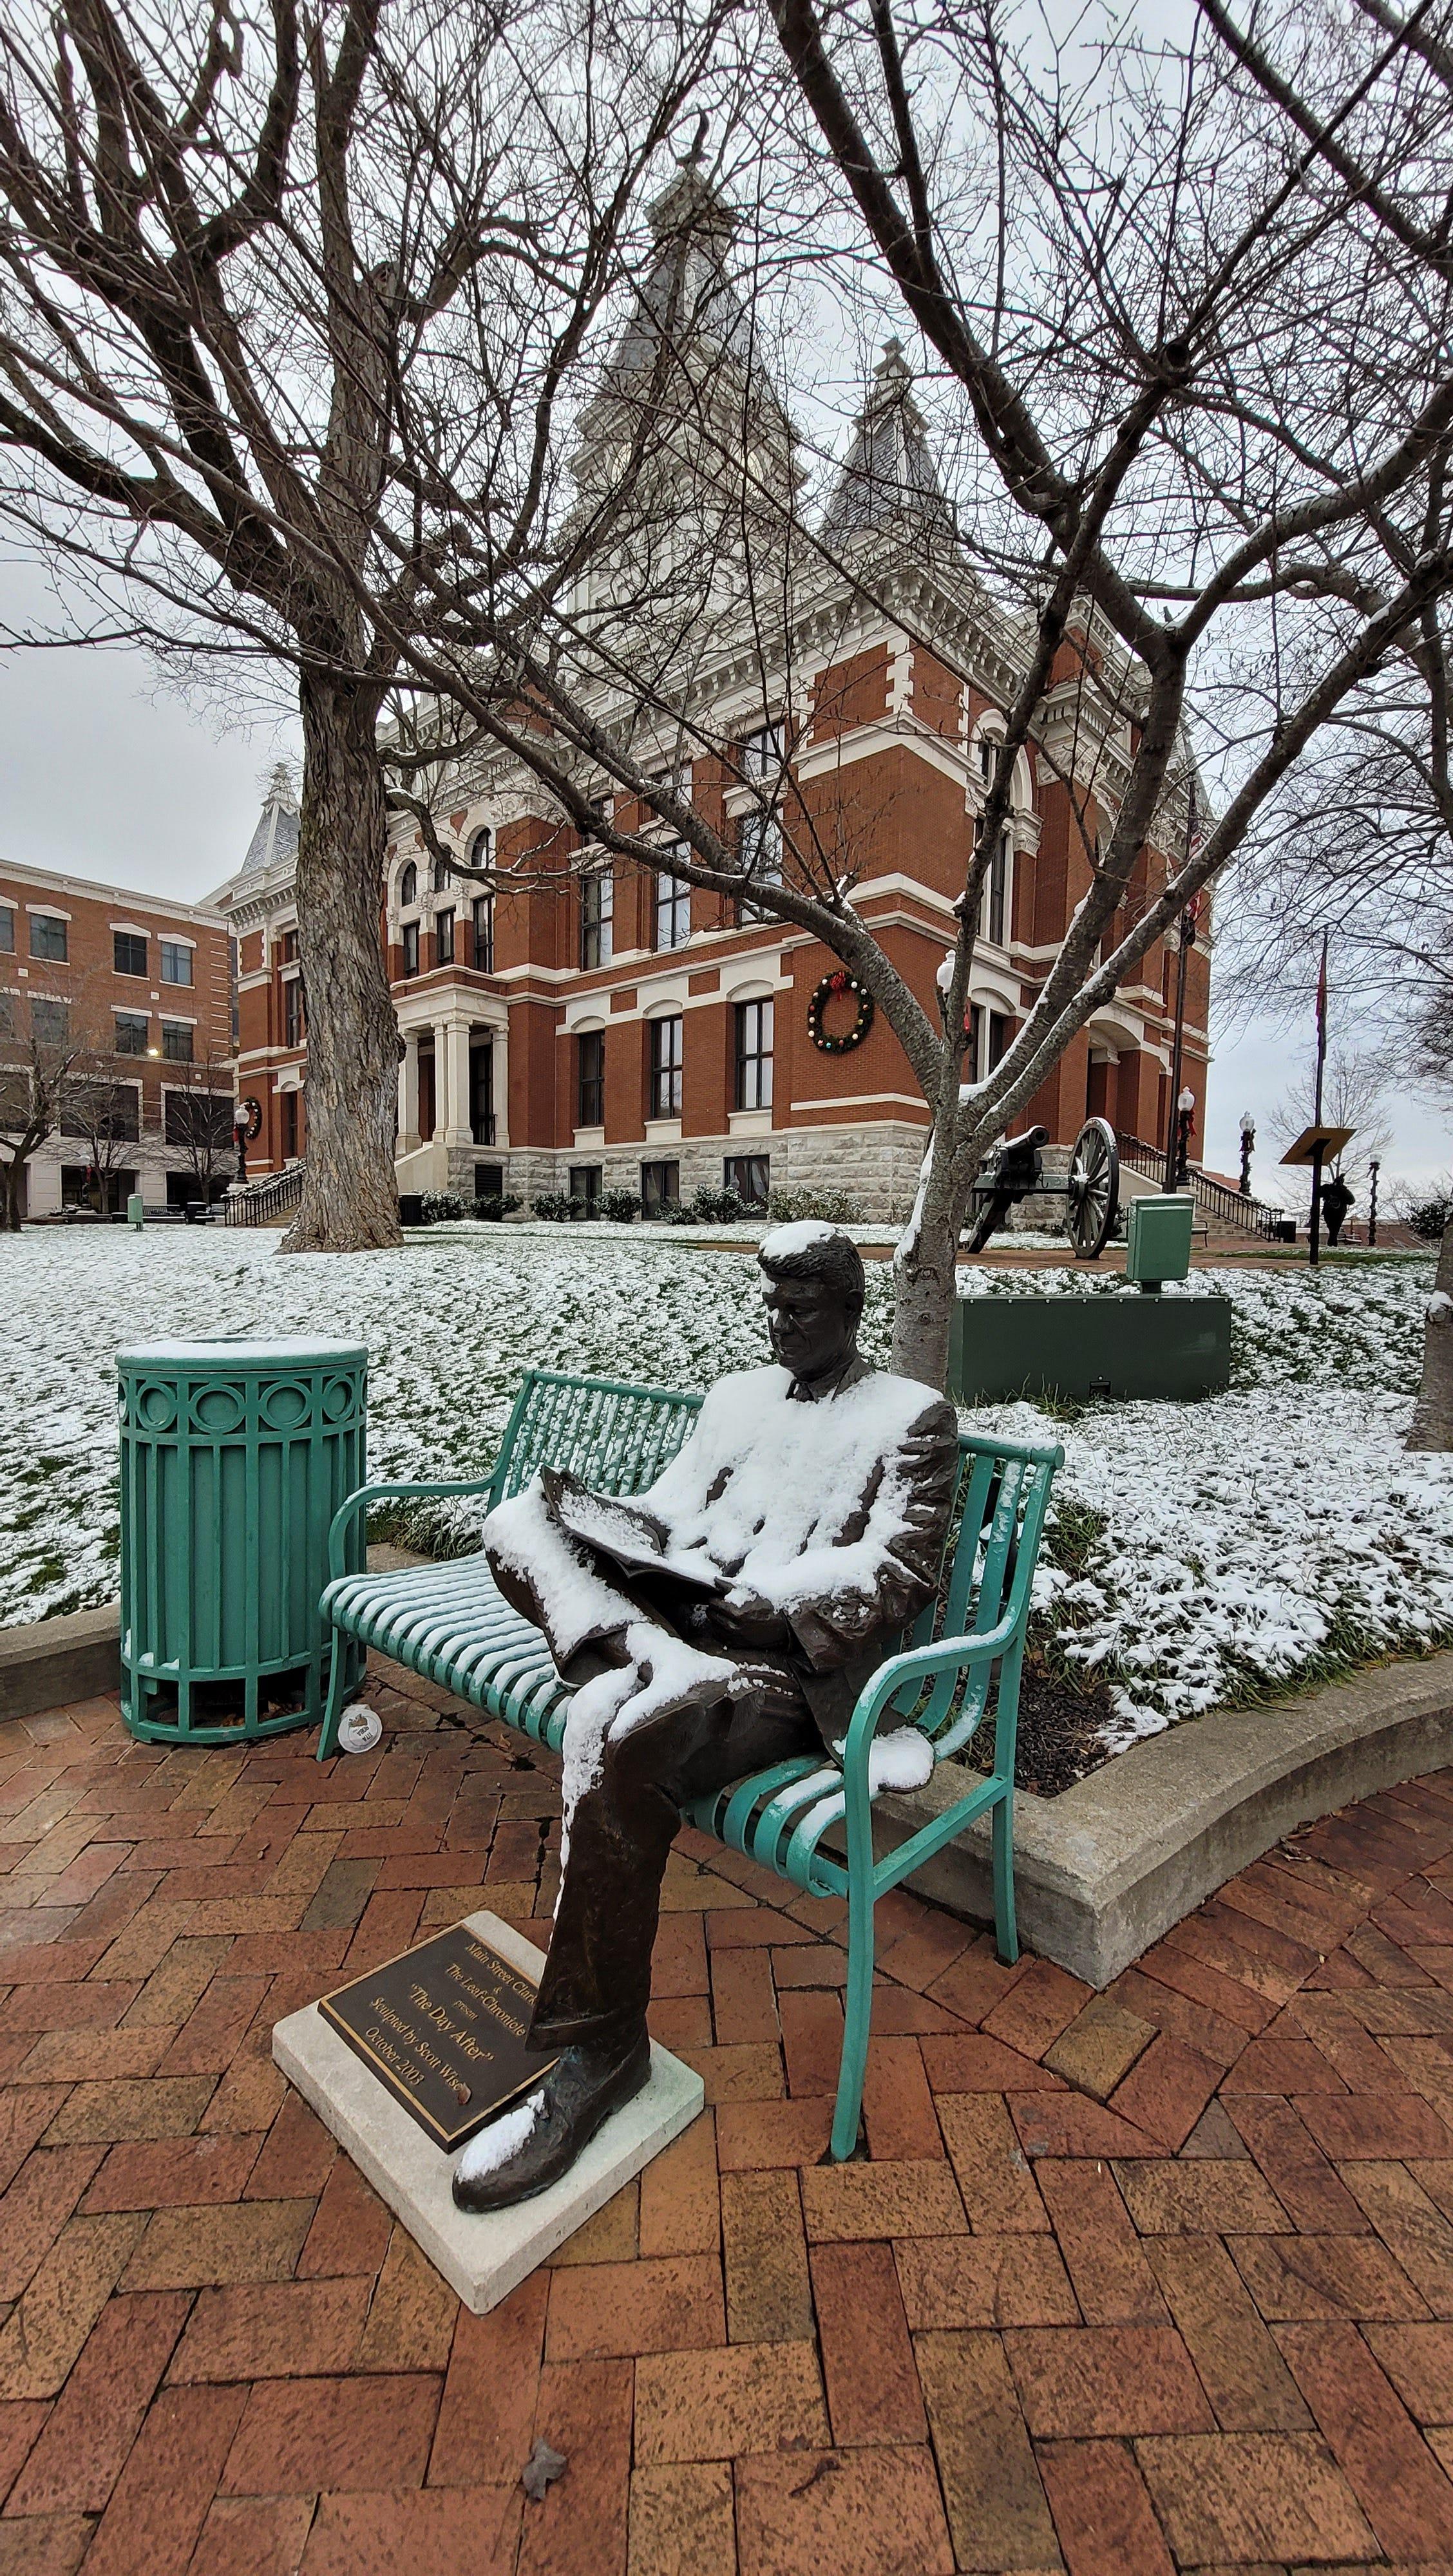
829 990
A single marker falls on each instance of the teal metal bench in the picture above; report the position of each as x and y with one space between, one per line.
959 1666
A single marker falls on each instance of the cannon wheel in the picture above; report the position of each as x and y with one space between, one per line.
1093 1188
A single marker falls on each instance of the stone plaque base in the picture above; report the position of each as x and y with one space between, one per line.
483 2258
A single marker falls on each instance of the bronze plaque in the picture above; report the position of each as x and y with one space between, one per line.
443 2028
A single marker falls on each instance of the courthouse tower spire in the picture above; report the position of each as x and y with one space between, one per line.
889 475
687 371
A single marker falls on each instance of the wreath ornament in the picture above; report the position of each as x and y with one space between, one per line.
828 991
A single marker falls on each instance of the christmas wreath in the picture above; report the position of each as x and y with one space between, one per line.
828 991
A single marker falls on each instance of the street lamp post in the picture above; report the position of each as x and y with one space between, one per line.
1248 1145
1185 1114
1373 1168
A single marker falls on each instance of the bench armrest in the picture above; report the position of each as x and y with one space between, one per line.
367 1494
920 1663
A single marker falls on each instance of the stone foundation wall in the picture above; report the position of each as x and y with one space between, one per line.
877 1163
1042 1213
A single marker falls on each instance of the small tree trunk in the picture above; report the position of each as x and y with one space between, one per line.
350 1199
1432 1422
10 1203
925 1273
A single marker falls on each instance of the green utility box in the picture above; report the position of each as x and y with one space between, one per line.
235 1455
1115 1346
1158 1238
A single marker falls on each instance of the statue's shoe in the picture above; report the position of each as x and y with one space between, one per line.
577 2098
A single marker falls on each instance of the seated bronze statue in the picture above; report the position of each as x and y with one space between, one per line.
723 1620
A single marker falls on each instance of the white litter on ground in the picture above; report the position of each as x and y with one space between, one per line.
359 1728
1197 1553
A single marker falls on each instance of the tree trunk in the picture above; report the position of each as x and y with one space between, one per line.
1432 1423
925 1272
10 1198
350 1198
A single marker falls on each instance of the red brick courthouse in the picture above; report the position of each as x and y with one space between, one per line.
593 1025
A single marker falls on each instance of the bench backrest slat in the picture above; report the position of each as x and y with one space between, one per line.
619 1437
615 1436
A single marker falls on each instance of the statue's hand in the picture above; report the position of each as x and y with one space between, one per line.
744 1616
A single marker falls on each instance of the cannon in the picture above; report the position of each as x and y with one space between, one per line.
1091 1187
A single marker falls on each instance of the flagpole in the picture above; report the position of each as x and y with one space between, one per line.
1314 1248
1172 1142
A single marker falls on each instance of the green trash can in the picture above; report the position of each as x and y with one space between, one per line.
235 1455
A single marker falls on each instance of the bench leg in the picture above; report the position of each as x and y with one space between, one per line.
1006 1930
857 2015
333 1710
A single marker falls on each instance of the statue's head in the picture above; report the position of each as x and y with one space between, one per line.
812 1281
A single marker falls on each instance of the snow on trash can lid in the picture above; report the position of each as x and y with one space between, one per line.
224 1351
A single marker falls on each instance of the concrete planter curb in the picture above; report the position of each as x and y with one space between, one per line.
52 1661
1104 1869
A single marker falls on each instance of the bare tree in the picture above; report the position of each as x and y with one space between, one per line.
102 1112
244 251
1373 106
197 1122
40 1063
1205 405
1205 428
1355 1094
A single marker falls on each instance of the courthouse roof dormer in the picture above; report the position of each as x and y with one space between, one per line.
889 476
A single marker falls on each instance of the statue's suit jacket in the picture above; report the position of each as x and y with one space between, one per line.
831 1503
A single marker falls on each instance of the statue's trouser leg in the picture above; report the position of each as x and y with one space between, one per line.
597 1979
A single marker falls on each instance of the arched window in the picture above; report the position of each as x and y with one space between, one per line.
442 874
481 848
408 887
995 911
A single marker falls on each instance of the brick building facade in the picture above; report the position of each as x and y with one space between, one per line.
120 1005
593 1024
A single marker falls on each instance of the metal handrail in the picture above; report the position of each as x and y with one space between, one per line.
1213 1198
258 1202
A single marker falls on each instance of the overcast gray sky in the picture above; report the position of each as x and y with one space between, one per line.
109 773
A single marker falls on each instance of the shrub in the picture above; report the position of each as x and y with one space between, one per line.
621 1206
553 1206
716 1207
443 1207
582 1210
493 1206
1427 1216
830 1207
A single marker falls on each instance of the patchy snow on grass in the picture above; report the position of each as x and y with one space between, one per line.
1198 1554
450 1329
1225 1550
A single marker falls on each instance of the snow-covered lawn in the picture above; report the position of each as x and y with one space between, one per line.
1209 1551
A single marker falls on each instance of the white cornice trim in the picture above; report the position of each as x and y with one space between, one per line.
867 1100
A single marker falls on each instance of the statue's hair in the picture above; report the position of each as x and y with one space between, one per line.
827 1255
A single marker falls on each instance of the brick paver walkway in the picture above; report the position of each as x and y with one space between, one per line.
1160 2279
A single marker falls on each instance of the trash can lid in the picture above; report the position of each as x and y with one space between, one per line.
222 1351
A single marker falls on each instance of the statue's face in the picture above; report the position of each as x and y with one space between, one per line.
812 1329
